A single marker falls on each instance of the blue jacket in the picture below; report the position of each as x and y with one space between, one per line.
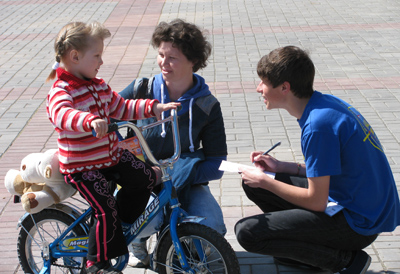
202 134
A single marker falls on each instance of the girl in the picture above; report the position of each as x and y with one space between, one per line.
79 102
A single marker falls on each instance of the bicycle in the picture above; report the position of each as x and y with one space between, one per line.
55 240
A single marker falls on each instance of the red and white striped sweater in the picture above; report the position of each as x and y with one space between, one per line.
72 104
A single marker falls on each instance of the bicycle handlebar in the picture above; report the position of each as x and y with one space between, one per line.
138 131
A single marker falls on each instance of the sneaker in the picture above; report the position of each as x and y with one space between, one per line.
359 265
293 263
138 255
103 267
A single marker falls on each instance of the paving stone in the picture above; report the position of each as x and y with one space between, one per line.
354 44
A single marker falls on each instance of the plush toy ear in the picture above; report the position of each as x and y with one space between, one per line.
50 165
47 172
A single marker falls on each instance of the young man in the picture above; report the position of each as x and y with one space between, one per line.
344 162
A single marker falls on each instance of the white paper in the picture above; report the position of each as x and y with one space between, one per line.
234 167
332 208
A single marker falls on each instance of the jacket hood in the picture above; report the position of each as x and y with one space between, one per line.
199 89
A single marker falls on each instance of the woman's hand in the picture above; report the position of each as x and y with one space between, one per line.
100 127
159 108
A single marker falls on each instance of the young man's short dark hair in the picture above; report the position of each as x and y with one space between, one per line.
288 64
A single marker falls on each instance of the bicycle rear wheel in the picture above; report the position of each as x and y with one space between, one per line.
49 224
206 250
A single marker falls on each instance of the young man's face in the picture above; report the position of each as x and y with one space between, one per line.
272 96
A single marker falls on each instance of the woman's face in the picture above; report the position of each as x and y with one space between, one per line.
173 63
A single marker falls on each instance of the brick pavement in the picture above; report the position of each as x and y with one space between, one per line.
354 44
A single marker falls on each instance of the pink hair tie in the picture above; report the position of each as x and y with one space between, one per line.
56 65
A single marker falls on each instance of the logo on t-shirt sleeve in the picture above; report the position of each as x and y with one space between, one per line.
367 128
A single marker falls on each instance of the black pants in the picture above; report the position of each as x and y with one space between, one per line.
106 240
286 230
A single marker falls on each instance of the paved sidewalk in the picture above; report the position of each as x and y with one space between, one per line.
355 46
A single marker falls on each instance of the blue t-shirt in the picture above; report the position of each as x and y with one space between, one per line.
338 142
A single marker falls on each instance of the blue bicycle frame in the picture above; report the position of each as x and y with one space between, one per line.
64 247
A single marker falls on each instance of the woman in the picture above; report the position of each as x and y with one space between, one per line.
182 51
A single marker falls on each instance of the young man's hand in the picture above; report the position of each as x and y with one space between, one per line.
264 162
254 177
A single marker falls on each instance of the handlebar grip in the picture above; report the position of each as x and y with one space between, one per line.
111 128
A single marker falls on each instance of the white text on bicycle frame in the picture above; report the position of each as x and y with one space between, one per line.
75 243
141 220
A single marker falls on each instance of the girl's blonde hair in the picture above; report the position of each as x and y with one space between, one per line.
75 35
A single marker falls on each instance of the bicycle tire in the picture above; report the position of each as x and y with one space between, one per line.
50 223
219 255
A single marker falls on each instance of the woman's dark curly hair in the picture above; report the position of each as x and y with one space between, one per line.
187 37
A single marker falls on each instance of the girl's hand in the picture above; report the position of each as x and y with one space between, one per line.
158 108
100 127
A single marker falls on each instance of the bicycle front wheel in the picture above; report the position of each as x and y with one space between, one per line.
206 250
49 224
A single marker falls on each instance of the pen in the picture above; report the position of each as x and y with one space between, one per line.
269 150
273 147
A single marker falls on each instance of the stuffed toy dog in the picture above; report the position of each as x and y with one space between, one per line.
39 181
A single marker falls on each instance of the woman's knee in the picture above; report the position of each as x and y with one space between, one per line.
203 203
